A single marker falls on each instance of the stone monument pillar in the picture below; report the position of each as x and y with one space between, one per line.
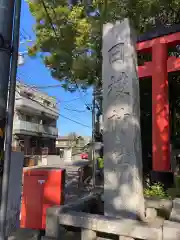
123 191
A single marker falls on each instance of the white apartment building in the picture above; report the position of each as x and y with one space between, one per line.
35 121
72 146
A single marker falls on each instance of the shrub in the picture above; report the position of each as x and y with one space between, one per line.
155 190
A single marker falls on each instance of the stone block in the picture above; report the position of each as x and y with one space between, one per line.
102 238
176 204
48 238
171 231
175 213
125 238
87 234
53 229
110 225
151 213
162 204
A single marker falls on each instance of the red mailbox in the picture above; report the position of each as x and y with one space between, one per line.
42 188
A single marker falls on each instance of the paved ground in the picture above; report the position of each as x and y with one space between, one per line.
24 234
72 190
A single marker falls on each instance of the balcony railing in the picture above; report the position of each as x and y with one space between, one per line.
28 128
28 105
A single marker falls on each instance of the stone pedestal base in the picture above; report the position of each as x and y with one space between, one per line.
87 234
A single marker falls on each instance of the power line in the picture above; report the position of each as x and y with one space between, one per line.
74 121
52 26
61 115
54 86
88 108
48 86
75 110
71 100
27 34
57 38
69 107
22 36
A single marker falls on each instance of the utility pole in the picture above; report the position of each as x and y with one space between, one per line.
6 50
94 135
6 24
99 113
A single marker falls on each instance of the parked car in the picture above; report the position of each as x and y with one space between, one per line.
84 156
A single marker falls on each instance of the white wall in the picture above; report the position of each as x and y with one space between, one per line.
54 160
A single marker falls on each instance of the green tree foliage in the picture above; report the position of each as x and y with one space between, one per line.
66 52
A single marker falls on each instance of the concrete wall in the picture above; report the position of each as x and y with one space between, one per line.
54 160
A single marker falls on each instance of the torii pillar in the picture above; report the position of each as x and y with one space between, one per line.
160 109
158 69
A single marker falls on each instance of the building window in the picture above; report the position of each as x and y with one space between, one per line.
29 95
44 122
28 118
21 145
52 123
26 94
61 153
34 119
34 143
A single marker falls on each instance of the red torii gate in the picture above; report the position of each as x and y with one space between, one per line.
158 69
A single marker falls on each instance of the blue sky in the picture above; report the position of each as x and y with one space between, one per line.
34 72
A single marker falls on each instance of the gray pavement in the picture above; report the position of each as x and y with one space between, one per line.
24 234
